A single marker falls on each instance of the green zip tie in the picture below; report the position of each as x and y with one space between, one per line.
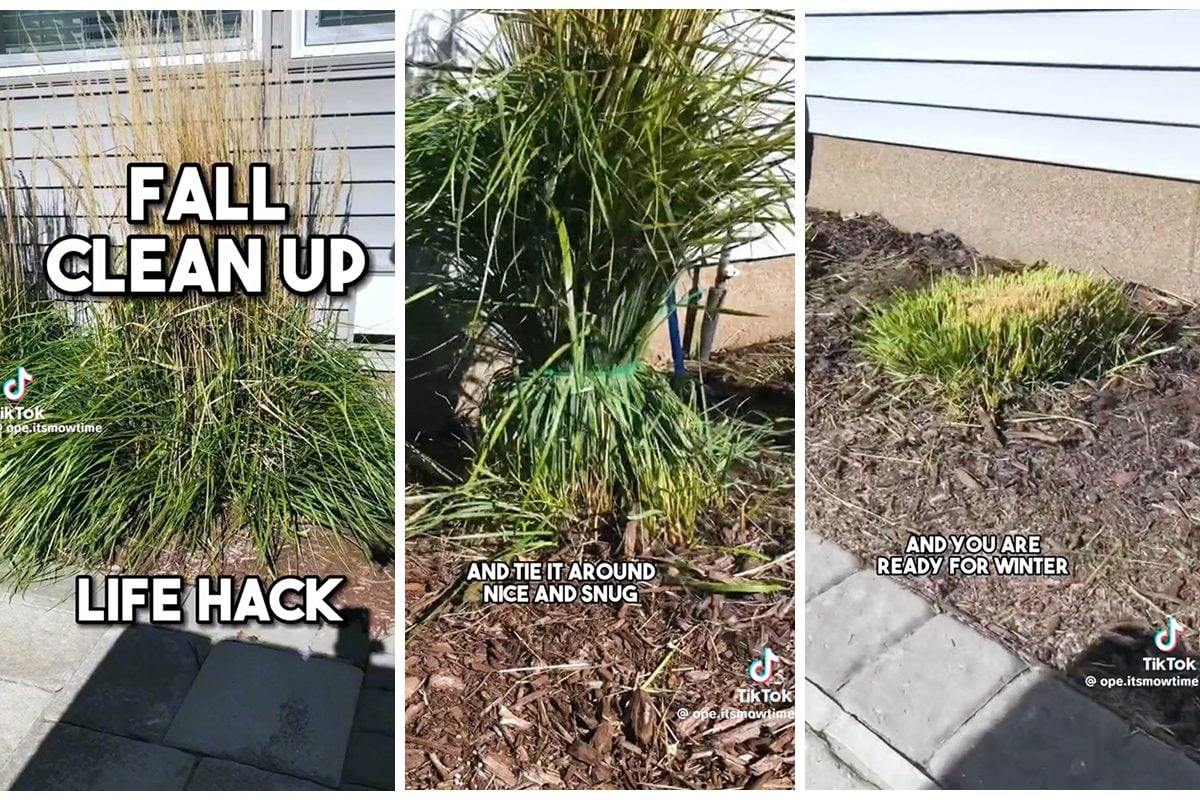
628 368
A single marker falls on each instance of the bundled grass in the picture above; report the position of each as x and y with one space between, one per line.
563 189
218 414
987 339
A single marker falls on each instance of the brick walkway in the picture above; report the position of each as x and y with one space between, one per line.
91 707
900 696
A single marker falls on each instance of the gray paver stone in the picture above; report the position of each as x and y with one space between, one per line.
272 709
20 708
381 671
140 683
371 760
56 591
850 625
923 688
213 774
875 760
824 565
42 648
823 770
376 712
1146 763
58 756
1038 733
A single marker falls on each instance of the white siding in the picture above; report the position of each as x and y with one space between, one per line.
455 37
1111 90
355 103
1129 38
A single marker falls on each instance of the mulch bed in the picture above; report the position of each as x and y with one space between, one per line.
1108 473
589 696
367 598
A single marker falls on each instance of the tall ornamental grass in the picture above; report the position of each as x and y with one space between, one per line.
28 320
563 188
219 415
990 339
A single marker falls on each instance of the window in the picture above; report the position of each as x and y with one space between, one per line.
331 33
48 42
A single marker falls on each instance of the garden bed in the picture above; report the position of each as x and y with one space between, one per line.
492 703
367 599
1107 472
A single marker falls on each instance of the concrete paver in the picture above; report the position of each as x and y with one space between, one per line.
823 770
55 592
213 774
139 684
277 711
66 757
1147 763
376 712
947 703
381 671
824 565
62 645
86 707
922 689
850 625
20 709
371 760
1038 733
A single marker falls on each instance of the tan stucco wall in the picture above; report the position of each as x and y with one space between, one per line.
766 287
1142 229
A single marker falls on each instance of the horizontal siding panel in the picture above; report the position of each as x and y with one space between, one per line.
364 131
369 165
1116 94
379 261
1103 38
376 130
373 304
363 198
1158 150
342 97
378 233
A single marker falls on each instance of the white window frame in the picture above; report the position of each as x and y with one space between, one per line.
381 38
95 60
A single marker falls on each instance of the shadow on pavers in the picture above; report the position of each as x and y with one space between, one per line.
165 708
1051 731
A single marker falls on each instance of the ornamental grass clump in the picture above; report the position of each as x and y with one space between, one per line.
562 189
29 321
216 415
989 339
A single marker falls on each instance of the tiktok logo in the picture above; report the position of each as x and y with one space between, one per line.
15 388
1166 640
761 669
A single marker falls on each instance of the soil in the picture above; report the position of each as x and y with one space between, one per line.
1106 472
600 696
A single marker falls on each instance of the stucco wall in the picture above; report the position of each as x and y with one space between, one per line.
766 288
1138 228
